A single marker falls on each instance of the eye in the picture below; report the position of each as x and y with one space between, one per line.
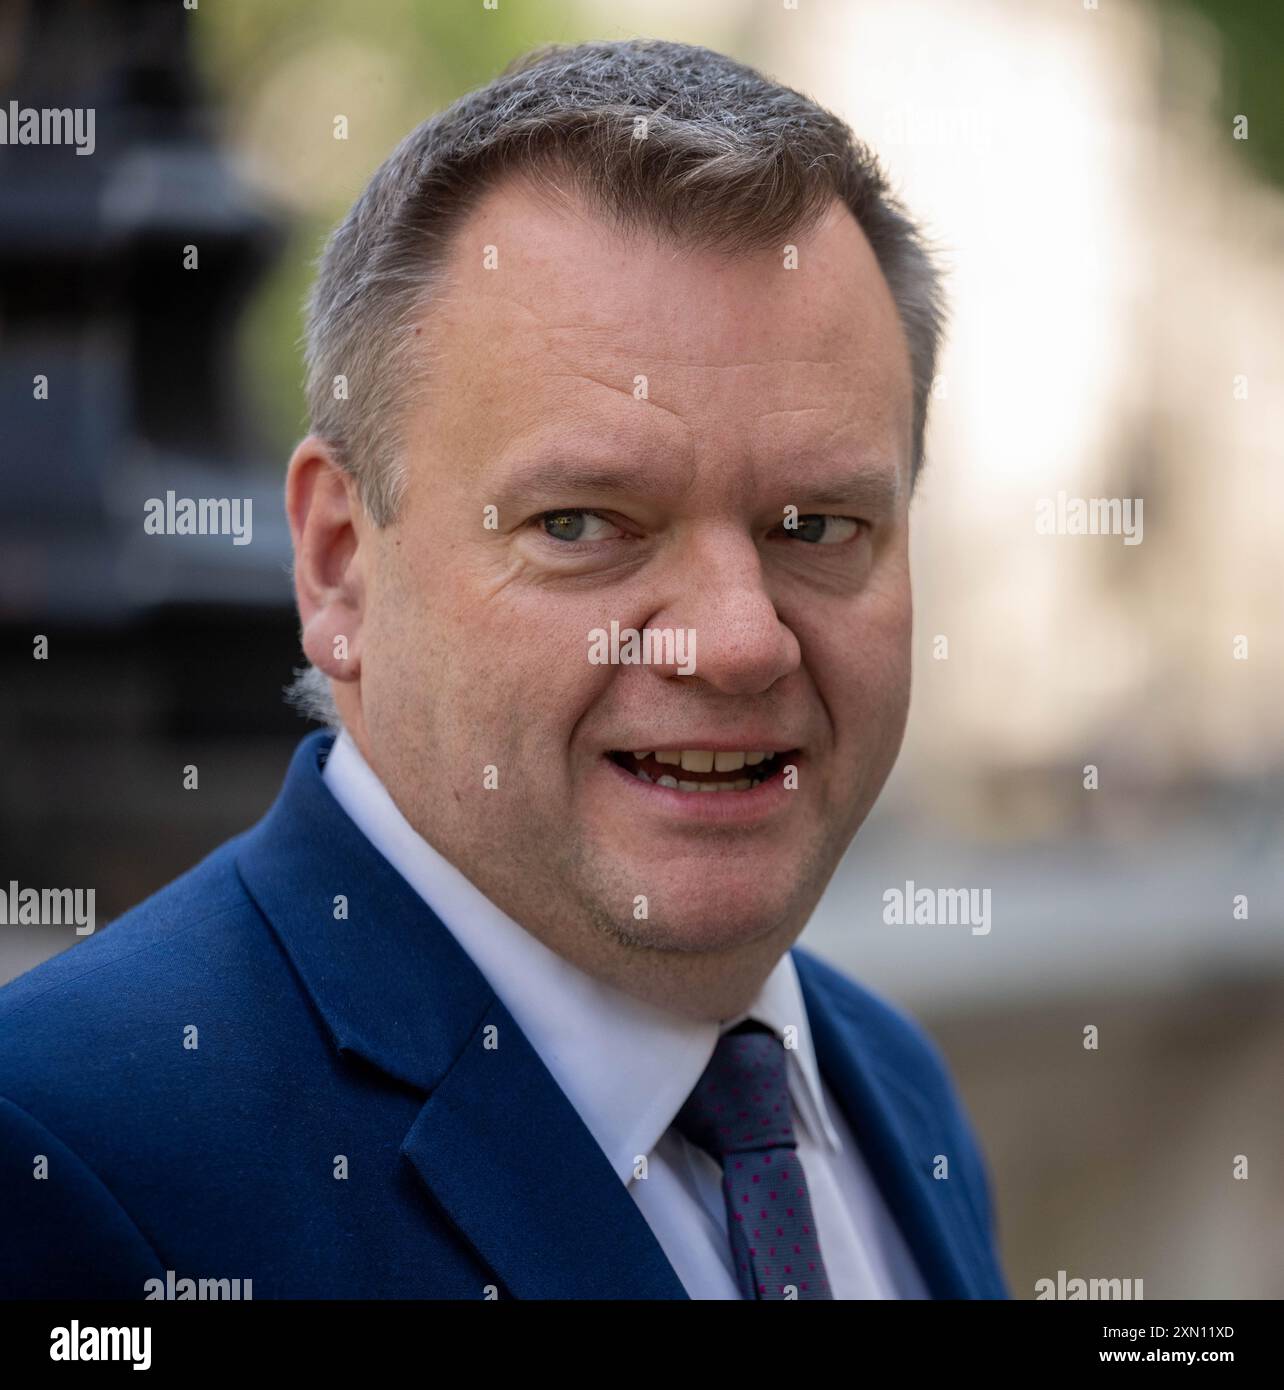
575 525
823 530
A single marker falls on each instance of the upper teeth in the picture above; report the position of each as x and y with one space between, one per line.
704 759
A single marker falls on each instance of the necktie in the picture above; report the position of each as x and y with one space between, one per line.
739 1112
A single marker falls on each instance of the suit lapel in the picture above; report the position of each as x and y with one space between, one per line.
899 1140
497 1144
504 1151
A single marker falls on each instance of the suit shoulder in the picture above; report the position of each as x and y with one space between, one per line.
94 984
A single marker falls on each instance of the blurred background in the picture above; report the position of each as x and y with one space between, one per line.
1105 184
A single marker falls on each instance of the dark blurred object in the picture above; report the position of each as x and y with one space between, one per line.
1250 52
163 650
138 350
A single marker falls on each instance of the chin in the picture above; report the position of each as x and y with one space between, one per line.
715 916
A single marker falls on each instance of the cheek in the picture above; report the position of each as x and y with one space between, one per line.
407 655
866 664
502 666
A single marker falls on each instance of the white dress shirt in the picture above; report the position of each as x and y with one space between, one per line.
642 1065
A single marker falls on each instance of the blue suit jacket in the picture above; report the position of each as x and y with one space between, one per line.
466 1166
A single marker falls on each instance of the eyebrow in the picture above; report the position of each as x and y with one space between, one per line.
569 477
875 488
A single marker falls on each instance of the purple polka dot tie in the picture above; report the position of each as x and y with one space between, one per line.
740 1113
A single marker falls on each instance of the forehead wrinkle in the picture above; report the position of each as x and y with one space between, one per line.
624 391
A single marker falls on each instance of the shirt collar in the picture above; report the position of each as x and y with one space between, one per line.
629 1083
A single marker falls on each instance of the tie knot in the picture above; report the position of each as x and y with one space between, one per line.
741 1102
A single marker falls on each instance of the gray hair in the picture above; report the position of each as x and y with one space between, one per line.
728 160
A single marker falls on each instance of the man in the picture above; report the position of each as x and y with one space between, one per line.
619 371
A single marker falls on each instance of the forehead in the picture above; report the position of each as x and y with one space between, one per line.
549 319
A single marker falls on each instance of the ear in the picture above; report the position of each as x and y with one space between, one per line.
326 525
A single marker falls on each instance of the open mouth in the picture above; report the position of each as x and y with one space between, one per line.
702 770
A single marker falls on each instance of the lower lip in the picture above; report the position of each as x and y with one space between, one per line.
758 804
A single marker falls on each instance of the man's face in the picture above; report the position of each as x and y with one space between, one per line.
640 417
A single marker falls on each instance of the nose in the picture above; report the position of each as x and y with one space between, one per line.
717 590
